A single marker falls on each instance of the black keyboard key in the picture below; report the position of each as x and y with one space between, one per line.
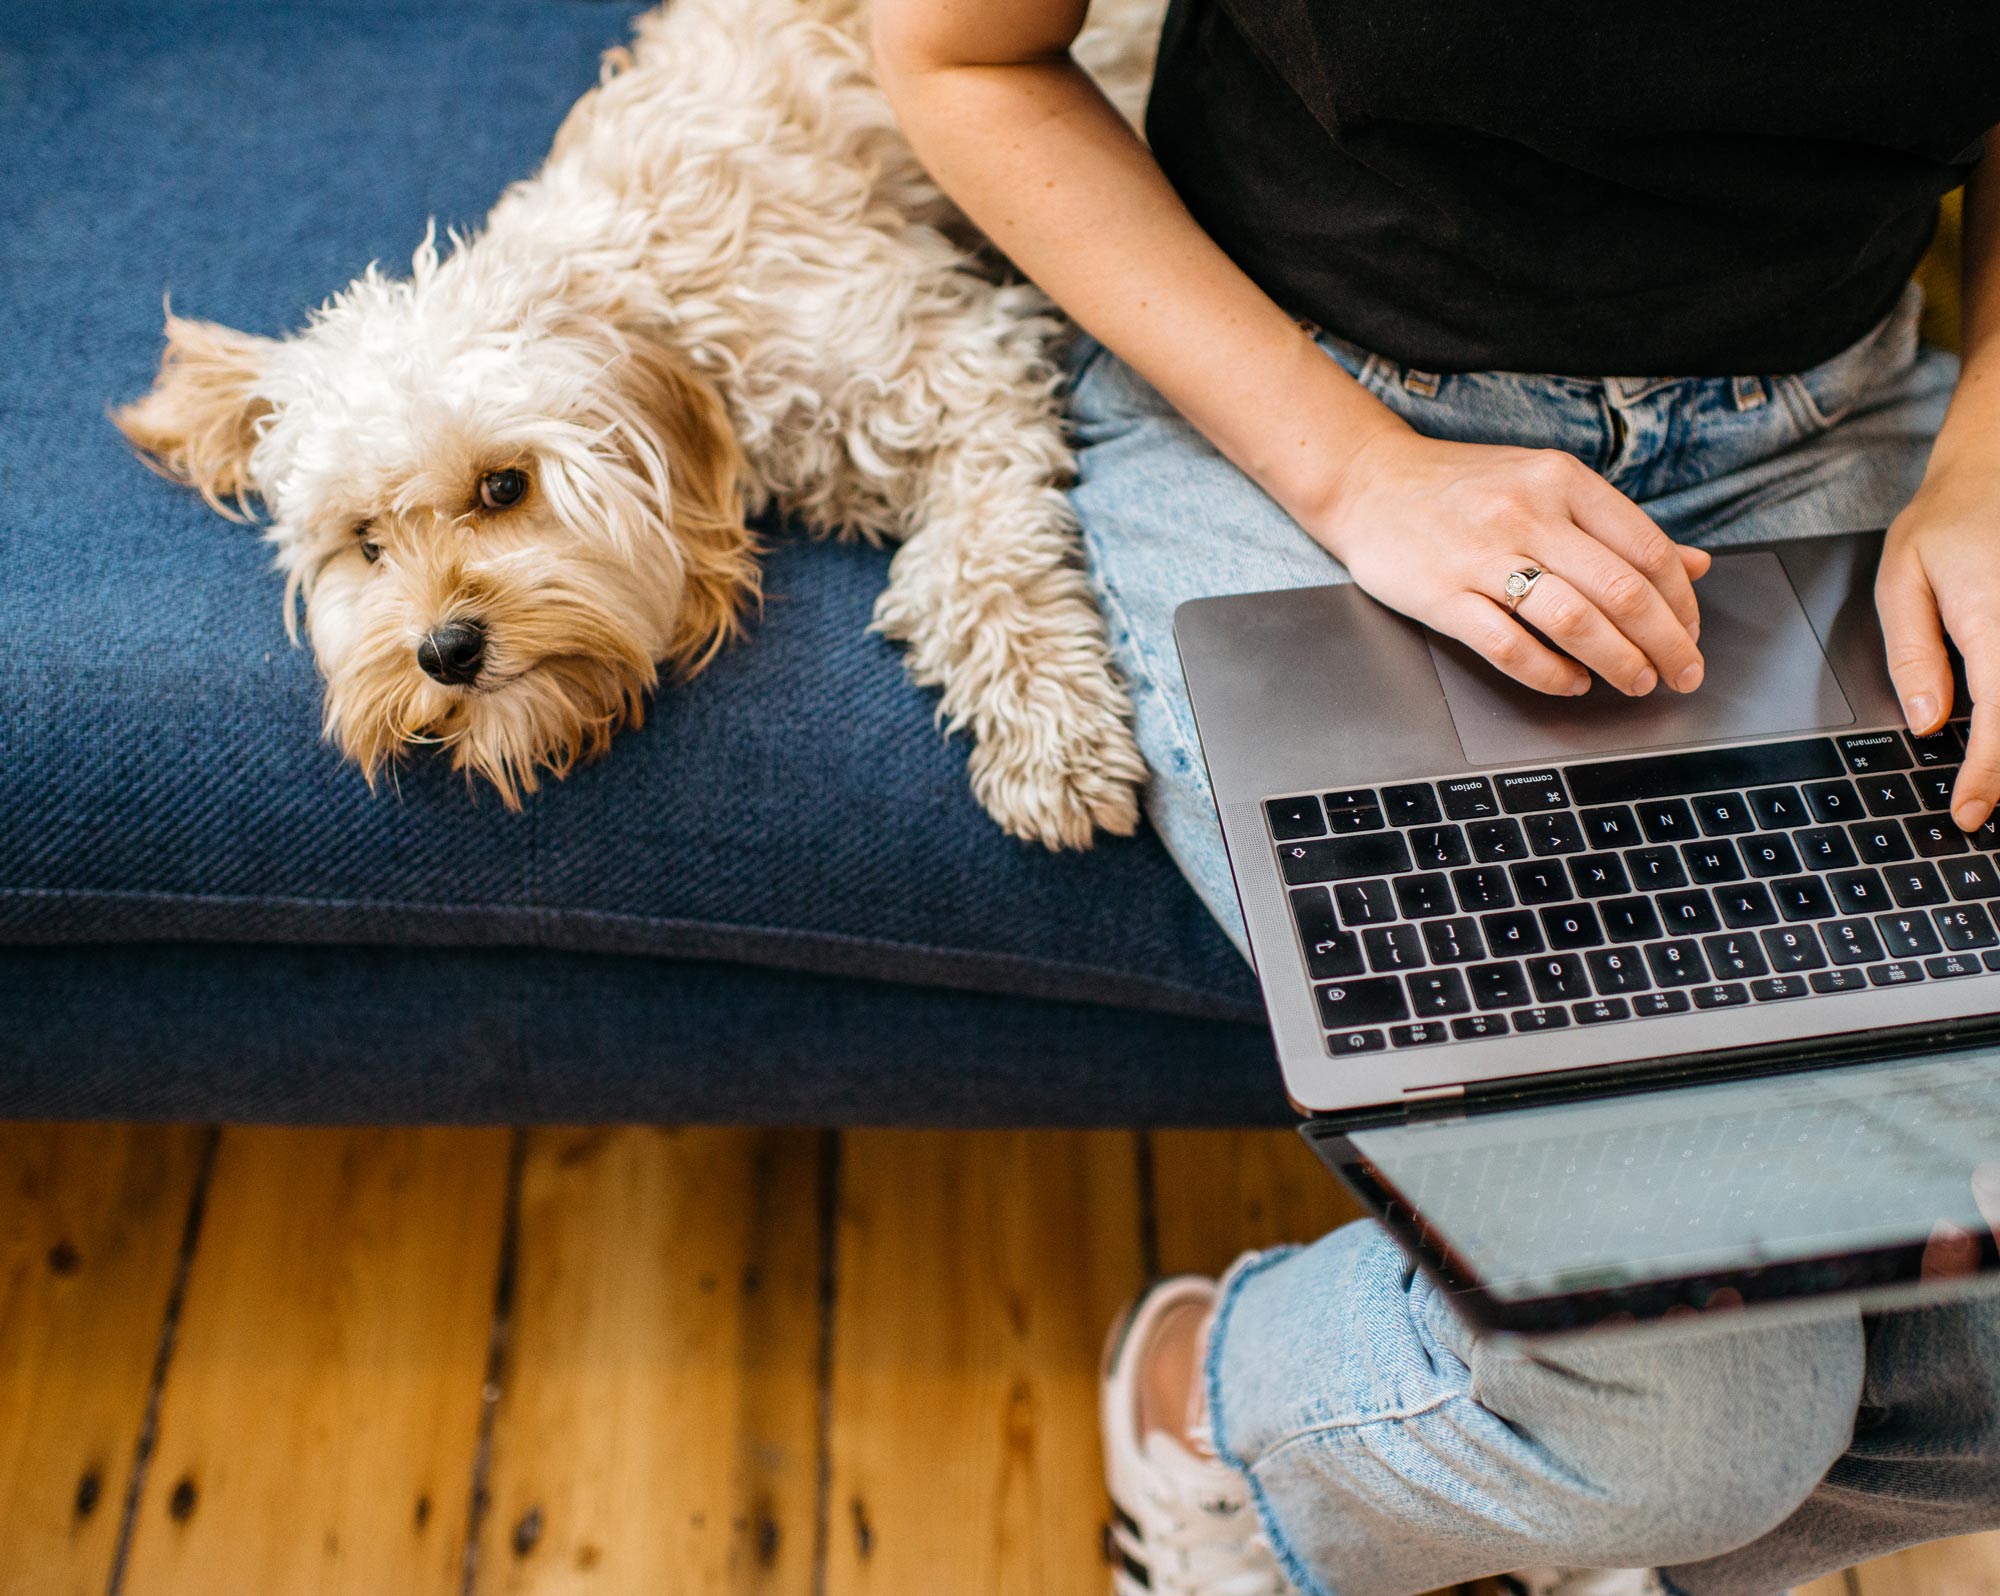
1669 820
1339 1043
1330 951
1889 795
1618 970
1908 936
1612 827
1802 898
1709 770
1777 988
1437 993
1778 808
1653 1004
1833 800
1689 913
1453 941
1601 1011
1541 1019
1793 949
1598 875
1342 821
1482 887
1710 864
1723 814
1966 927
1735 955
1934 788
1379 853
1904 974
1915 886
1858 891
1825 848
1292 818
1537 883
1393 947
1720 997
1438 847
1420 897
1496 841
1352 798
1869 752
1655 869
1412 804
1549 835
1469 798
1676 963
1936 836
1424 1033
1346 1004
1503 985
1942 747
1559 978
1364 902
1746 905
1518 933
1523 792
1947 965
1771 854
1838 981
1573 925
1629 919
1474 1026
1852 941
1880 842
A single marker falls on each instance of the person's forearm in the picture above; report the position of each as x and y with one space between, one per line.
1972 425
1041 161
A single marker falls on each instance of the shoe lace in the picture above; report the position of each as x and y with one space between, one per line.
1208 1543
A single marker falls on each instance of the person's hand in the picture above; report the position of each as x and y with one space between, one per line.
1953 1250
1432 529
1940 574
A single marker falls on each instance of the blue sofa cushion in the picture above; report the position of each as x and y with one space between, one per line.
162 778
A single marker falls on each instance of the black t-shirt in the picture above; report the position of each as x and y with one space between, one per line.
1595 187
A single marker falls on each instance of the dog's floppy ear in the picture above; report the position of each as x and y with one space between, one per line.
198 424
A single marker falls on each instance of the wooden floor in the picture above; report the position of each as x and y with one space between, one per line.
637 1362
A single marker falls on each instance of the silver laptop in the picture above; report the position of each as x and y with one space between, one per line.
1608 1006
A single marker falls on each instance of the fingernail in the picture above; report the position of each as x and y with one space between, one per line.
1578 686
1690 679
1648 680
1971 814
1986 1184
1921 712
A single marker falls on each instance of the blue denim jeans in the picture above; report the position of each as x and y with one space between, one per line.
1391 1450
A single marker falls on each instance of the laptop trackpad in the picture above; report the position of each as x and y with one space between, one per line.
1766 677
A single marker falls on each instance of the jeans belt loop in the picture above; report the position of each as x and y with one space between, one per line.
1752 392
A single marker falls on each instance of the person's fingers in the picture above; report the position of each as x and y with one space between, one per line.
1489 631
1635 537
1913 638
1976 630
1567 618
1951 1252
1631 602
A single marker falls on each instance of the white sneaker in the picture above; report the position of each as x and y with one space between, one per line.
1182 1524
1585 1582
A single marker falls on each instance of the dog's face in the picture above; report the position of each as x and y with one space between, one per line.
499 523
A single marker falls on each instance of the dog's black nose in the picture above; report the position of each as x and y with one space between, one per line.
454 652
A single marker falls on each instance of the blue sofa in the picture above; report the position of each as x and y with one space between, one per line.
776 902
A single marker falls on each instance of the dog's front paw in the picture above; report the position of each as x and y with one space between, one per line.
1058 765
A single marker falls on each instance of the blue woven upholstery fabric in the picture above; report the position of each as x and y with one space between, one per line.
788 843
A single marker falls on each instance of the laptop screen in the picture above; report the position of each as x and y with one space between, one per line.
1707 1179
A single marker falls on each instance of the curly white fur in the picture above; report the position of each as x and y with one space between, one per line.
731 284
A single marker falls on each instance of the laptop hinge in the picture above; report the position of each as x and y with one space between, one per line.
1426 1094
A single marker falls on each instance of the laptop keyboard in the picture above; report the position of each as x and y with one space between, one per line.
1533 900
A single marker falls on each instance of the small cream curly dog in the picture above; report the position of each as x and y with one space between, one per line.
510 488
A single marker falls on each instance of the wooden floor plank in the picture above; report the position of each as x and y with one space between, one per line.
658 1427
1220 1193
1966 1567
321 1413
976 1276
91 1224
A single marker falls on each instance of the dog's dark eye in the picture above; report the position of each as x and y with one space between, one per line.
364 534
500 489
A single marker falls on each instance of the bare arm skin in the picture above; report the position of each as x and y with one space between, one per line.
1023 141
1941 566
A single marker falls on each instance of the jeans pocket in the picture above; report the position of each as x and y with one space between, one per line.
1824 396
